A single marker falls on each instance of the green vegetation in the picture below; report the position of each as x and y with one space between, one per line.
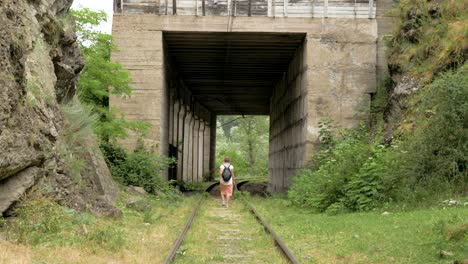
431 36
245 141
41 221
76 138
426 161
434 235
58 234
139 168
355 172
100 78
210 241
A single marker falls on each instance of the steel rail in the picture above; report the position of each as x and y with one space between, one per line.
278 242
180 238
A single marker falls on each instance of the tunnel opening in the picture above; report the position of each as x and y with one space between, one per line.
245 140
214 74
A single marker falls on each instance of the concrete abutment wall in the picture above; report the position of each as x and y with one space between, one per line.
288 121
331 75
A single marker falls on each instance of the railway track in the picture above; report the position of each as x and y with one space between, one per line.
280 245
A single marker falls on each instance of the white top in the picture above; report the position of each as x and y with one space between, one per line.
221 168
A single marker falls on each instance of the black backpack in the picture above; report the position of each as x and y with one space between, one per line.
226 173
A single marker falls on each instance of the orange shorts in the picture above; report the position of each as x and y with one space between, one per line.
226 189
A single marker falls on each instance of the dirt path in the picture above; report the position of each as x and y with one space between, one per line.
227 235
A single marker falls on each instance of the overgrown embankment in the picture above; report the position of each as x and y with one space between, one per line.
416 150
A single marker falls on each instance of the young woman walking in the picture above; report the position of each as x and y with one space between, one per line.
227 181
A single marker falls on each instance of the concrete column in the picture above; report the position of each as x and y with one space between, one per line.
201 149
171 120
213 171
144 60
196 127
206 150
190 148
187 142
180 141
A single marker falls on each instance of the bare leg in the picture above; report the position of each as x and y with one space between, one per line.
222 198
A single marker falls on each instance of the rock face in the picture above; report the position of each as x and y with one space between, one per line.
39 66
397 104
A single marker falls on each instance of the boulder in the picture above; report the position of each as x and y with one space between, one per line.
14 187
136 190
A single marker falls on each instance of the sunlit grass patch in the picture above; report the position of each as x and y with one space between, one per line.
45 232
420 236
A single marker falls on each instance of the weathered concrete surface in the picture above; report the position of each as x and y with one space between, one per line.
331 76
288 121
385 22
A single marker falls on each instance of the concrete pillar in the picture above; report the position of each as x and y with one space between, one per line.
190 148
206 150
201 149
171 119
187 141
180 141
213 171
196 127
148 101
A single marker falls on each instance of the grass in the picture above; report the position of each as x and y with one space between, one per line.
202 244
440 43
48 233
400 237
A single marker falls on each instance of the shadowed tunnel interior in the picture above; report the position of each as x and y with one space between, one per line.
232 73
225 73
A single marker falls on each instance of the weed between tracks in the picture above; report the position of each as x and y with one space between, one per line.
420 236
209 238
48 233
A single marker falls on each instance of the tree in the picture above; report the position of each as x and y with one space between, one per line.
101 76
247 145
252 137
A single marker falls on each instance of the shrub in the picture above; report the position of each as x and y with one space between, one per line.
327 183
353 174
140 168
76 135
435 154
373 183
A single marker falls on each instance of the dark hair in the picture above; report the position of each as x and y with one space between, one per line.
227 159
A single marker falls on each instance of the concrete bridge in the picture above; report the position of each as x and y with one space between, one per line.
297 61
